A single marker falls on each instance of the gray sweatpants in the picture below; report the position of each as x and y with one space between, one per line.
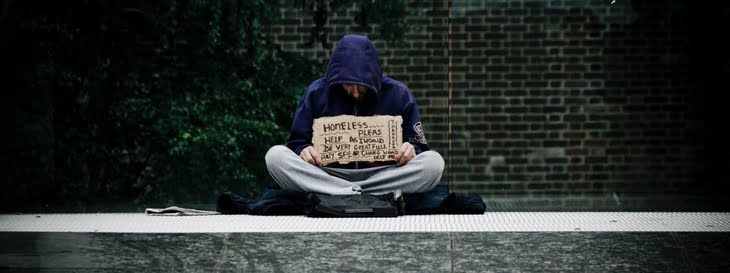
420 174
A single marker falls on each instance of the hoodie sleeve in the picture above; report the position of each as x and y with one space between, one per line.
300 135
412 128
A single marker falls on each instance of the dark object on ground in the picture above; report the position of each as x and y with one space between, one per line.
272 201
275 201
358 205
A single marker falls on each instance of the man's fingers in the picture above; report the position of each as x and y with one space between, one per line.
401 151
402 161
405 154
311 156
315 157
398 155
305 156
410 153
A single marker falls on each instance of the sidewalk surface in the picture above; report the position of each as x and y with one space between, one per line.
493 242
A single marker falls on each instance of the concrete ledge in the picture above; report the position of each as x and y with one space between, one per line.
488 222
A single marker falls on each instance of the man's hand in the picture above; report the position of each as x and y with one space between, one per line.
405 154
311 156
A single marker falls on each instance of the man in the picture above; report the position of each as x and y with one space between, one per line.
354 85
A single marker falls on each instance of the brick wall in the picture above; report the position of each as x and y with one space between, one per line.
572 97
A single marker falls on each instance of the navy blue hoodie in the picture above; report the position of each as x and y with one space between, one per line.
355 61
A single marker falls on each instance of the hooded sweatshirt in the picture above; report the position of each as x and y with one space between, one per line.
355 61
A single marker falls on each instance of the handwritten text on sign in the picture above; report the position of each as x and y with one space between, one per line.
348 138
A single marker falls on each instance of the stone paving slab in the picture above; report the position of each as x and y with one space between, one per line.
366 252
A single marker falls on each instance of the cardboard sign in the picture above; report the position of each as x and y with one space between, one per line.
349 138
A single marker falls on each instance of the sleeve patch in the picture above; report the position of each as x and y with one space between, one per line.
420 136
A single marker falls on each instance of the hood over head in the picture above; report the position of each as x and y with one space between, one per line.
355 61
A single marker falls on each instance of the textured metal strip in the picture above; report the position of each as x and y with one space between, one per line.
488 222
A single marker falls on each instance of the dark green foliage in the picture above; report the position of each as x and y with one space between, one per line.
153 101
145 102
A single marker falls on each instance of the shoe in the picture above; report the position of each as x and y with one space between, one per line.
230 203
